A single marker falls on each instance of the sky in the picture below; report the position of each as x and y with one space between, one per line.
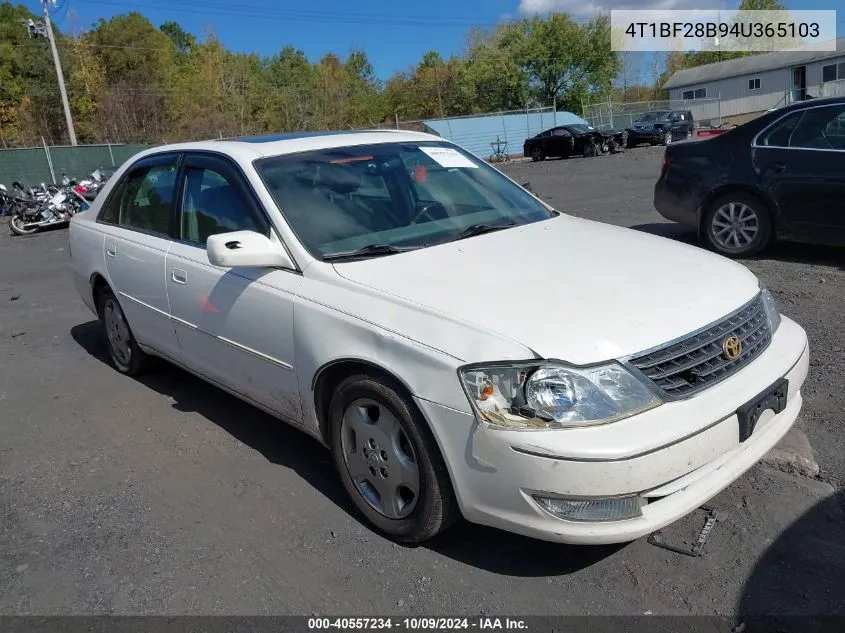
394 34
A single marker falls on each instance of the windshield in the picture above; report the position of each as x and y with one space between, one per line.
404 195
655 116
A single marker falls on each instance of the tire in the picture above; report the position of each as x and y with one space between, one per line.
537 155
667 138
16 226
689 135
750 213
124 352
589 150
370 419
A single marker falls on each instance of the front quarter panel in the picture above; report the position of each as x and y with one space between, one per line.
423 349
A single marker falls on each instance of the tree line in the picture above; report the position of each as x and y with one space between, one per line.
130 81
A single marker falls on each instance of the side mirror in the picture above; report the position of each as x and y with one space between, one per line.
246 249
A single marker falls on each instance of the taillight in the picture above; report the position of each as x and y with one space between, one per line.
667 160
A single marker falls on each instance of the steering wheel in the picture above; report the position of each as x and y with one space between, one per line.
426 210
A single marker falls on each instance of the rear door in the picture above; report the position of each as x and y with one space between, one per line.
234 325
800 160
140 218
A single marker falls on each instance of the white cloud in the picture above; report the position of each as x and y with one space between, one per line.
591 7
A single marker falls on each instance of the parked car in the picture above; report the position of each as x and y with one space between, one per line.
573 140
661 127
316 276
780 176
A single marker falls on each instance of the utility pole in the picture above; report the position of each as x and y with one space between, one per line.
59 75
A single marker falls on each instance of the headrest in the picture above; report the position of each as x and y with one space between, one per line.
338 178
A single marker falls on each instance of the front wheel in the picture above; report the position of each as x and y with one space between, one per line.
737 225
388 460
667 138
18 226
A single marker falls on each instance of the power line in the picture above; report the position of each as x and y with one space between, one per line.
267 13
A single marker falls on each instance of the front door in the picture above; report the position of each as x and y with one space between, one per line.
801 161
141 212
232 327
799 83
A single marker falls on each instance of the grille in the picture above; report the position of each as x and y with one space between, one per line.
691 365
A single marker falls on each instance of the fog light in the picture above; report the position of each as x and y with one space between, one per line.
609 509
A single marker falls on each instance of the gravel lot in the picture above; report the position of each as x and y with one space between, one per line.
163 495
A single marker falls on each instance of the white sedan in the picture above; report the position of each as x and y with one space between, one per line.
462 348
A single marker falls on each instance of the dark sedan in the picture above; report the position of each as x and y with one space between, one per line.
781 176
576 139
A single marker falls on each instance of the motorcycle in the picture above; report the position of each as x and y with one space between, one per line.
90 187
35 211
6 201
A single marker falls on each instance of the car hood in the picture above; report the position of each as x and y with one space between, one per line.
567 288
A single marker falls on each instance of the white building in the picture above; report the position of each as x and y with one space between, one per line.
758 83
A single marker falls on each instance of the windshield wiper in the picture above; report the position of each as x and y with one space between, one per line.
479 229
374 250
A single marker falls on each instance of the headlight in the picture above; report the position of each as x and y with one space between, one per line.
771 308
552 395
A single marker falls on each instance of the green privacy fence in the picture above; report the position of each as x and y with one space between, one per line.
34 165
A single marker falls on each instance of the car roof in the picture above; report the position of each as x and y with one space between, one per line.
248 148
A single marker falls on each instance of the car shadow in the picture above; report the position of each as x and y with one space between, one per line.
797 583
486 548
793 252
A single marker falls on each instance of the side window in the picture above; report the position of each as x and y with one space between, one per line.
559 132
212 204
779 134
143 200
817 129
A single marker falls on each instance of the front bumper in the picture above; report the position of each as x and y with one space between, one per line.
677 456
645 136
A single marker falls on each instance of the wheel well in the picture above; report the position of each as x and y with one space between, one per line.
721 191
98 284
330 376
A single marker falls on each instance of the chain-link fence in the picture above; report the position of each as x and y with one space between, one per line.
608 114
491 134
34 165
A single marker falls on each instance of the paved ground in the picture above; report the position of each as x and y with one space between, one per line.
164 495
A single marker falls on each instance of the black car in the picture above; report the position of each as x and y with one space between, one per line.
576 139
781 175
661 127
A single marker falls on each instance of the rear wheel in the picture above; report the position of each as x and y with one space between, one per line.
125 354
537 155
388 460
17 224
737 225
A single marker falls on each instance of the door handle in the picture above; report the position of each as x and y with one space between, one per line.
178 275
776 168
111 250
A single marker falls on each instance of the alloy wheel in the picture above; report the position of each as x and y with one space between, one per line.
380 458
735 226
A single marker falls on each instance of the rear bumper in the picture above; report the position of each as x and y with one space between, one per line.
682 209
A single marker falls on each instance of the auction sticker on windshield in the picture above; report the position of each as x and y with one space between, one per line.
448 157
